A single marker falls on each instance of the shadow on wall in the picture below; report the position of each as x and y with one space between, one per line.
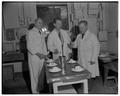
113 42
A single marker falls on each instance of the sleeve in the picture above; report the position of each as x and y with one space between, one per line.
68 42
31 43
95 48
66 37
50 43
75 43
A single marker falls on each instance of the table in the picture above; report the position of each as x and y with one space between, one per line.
109 64
11 57
57 79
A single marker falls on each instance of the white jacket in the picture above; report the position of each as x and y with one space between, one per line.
54 42
88 50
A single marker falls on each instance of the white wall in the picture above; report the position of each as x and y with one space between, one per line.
111 25
10 14
110 14
13 13
113 42
30 12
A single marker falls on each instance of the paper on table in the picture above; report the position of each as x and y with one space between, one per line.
104 55
50 60
55 69
51 64
71 61
77 69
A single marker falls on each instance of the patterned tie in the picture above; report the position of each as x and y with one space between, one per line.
61 37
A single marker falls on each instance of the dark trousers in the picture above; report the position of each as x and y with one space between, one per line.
74 53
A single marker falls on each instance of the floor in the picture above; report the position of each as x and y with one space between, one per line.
19 86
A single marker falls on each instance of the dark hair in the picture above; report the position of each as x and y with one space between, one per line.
74 32
50 26
31 26
38 19
83 21
55 19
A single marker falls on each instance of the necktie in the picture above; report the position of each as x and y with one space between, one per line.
82 36
62 41
40 32
61 37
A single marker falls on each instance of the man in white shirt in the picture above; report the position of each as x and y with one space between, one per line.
58 40
88 49
36 53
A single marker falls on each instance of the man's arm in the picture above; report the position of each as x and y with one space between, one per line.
50 43
41 56
75 43
31 42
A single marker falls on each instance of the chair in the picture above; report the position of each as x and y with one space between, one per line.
111 67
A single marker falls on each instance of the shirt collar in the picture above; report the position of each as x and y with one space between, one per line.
36 30
86 34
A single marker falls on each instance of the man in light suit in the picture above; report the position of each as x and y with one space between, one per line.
37 53
58 40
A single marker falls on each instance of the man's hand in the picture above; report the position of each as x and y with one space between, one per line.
41 56
55 52
92 62
70 45
69 56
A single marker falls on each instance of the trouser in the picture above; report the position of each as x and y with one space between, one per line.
37 78
34 80
74 54
41 80
37 85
